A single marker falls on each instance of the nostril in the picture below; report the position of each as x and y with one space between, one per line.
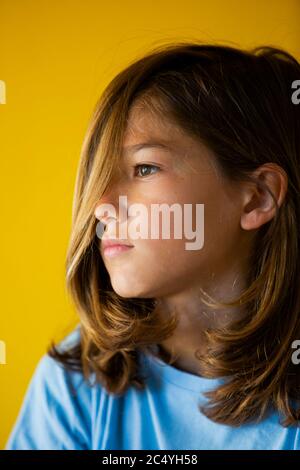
100 229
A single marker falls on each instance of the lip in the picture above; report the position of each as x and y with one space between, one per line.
113 247
113 242
115 250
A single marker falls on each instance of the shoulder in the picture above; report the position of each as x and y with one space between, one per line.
54 376
55 413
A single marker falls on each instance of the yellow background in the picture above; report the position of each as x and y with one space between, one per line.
55 58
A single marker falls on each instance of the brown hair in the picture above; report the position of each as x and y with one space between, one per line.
239 104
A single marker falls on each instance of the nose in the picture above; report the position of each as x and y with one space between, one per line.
109 208
105 209
105 213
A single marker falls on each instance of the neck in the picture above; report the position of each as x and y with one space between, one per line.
194 317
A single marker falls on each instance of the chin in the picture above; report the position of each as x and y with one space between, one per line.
127 291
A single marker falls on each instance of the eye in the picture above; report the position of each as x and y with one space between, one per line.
144 165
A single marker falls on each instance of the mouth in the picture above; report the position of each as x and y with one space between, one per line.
114 250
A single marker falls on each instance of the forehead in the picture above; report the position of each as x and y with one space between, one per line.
146 124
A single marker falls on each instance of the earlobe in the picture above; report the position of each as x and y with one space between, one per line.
260 206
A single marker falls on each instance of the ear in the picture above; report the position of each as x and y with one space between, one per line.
258 204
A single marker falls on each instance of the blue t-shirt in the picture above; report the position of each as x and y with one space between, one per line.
62 411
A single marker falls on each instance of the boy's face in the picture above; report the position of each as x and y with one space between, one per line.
182 172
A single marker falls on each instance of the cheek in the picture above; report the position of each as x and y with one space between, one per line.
167 259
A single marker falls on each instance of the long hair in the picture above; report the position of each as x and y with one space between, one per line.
238 102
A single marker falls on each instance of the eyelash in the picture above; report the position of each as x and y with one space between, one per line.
143 165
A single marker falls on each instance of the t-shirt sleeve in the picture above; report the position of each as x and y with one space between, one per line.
55 413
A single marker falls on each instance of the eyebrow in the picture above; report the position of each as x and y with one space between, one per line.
149 144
